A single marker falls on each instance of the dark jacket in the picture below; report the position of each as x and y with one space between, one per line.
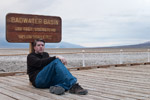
35 63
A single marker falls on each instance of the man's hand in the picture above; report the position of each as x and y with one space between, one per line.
63 60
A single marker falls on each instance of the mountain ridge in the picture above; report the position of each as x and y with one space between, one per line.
140 45
5 44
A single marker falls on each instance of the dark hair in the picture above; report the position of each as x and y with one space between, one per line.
37 40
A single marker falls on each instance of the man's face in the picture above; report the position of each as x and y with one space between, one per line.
39 48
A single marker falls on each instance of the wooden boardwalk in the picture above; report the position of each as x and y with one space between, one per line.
114 83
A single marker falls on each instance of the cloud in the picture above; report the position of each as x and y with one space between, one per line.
86 22
21 6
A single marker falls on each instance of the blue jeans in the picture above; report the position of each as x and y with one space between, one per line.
55 74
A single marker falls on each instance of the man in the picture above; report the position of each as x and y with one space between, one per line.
50 72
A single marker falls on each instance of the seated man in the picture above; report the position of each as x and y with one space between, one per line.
50 72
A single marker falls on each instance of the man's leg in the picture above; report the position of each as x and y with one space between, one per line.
55 74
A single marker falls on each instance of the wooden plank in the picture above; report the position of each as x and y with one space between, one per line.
94 78
43 93
123 88
12 82
104 89
3 74
116 94
6 97
104 78
118 72
85 97
103 84
127 78
14 95
29 94
66 96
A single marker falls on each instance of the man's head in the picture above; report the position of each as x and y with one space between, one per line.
39 46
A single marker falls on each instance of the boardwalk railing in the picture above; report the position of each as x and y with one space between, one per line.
94 58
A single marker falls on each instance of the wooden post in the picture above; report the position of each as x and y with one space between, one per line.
31 49
83 58
121 56
148 54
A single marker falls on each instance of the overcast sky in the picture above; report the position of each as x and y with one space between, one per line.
90 23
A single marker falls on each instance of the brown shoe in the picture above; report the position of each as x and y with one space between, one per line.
77 89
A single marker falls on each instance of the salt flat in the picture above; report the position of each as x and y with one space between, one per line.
15 59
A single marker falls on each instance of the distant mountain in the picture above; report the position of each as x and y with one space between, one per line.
5 44
141 45
62 45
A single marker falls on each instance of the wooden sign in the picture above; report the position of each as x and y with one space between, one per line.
27 28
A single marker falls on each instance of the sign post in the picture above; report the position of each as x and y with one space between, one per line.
25 28
31 47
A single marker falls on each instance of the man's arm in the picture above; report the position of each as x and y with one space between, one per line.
37 62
